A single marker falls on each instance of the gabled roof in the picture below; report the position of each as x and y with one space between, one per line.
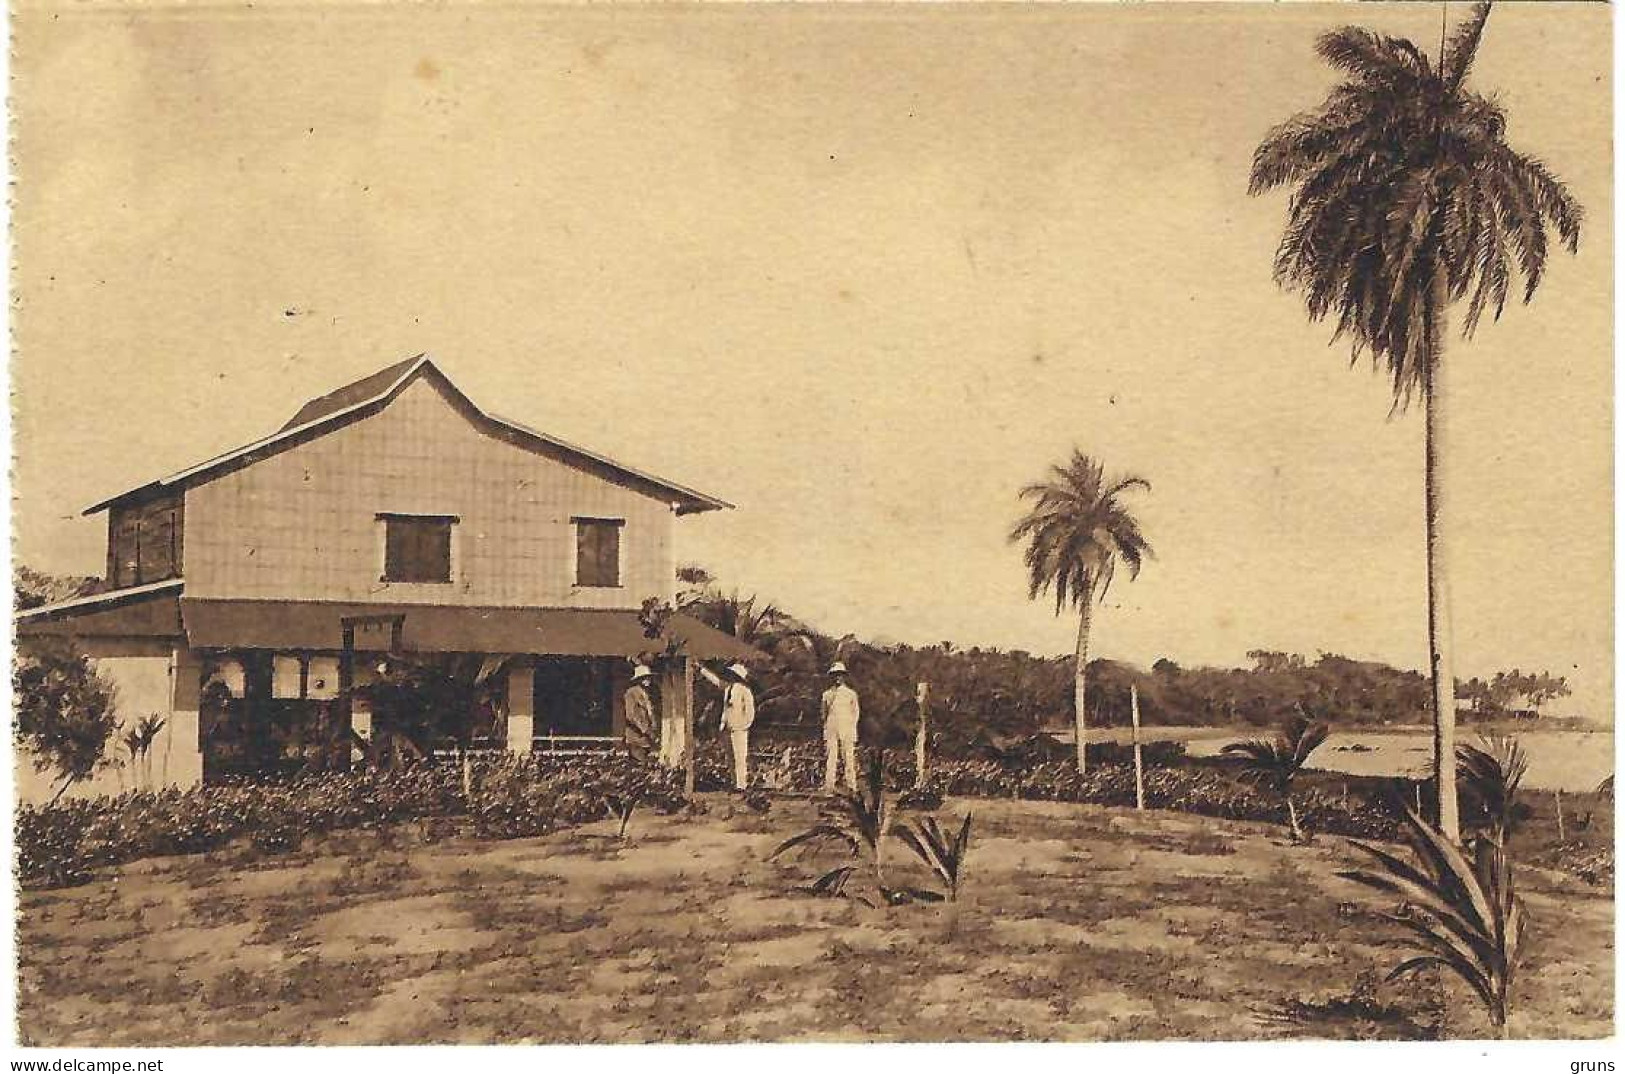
352 394
371 394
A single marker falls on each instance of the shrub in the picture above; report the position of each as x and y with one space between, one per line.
64 843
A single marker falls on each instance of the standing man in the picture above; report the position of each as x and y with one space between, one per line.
639 709
738 713
840 707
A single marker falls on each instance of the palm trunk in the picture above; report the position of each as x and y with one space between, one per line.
1079 681
1438 574
61 790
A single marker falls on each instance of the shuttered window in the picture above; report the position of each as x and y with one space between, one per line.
598 551
145 543
417 548
157 553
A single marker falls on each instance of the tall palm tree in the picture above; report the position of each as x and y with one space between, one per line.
1077 530
1406 198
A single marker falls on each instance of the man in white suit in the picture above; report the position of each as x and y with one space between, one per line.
840 707
738 713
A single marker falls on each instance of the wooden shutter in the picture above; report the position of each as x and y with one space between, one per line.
417 549
598 551
127 549
609 554
586 554
157 546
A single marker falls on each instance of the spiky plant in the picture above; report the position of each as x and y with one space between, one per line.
1459 906
1407 199
857 820
1275 763
942 854
1489 775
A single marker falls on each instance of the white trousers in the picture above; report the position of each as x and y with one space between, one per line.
739 742
840 748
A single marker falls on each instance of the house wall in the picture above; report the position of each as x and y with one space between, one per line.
302 524
142 673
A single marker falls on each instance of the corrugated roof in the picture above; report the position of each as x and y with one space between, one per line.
359 398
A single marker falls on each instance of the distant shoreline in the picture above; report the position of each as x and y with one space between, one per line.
1198 732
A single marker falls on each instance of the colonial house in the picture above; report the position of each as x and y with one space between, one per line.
252 597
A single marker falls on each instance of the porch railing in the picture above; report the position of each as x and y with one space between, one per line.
573 745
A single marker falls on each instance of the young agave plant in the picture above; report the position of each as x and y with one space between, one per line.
1462 911
943 855
858 820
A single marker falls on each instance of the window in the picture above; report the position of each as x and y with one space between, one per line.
417 548
598 551
144 545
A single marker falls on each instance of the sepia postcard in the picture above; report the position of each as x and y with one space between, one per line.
562 524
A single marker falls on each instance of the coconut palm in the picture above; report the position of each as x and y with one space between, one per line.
1275 762
1406 199
1077 531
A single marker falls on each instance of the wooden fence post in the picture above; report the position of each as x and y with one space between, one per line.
922 692
1557 796
1139 770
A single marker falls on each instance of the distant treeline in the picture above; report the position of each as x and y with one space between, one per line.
1004 694
976 693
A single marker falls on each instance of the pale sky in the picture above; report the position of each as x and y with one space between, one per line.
862 272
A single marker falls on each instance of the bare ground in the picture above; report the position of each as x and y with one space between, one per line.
1076 923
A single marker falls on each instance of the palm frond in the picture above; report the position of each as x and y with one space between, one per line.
1462 47
1489 775
1400 176
1077 530
817 834
942 854
1463 911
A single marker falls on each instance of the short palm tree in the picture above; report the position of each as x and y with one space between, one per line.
1406 198
1490 774
1461 909
1276 762
1077 531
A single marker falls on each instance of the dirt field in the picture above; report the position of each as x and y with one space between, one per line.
1077 923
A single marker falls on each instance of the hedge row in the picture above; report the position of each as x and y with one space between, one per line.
65 843
1170 783
511 798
